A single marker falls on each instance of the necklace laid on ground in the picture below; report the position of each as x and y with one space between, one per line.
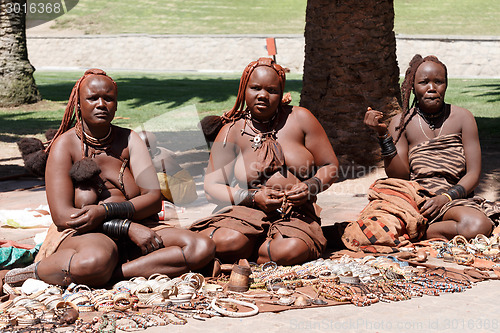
258 137
431 120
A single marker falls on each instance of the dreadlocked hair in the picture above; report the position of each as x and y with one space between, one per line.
238 110
213 124
72 112
407 88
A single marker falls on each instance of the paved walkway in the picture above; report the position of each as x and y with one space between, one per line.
465 56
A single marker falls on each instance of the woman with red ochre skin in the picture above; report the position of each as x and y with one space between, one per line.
91 245
437 145
267 164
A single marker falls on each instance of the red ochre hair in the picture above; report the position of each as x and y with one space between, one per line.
72 111
238 109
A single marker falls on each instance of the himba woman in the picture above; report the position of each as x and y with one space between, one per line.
116 234
437 145
267 164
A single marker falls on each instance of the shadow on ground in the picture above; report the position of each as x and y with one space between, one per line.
176 92
493 91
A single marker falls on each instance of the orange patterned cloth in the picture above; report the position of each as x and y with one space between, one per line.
390 220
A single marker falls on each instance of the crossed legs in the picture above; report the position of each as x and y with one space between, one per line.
184 251
92 259
232 245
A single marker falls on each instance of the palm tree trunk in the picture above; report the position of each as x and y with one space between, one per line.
350 64
17 85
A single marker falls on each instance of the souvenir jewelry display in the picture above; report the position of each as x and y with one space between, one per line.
140 303
464 252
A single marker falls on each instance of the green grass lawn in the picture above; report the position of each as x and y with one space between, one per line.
143 96
186 17
430 17
447 17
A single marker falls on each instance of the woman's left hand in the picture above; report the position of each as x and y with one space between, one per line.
433 205
298 195
145 238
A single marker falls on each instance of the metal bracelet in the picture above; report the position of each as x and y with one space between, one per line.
387 146
314 184
123 210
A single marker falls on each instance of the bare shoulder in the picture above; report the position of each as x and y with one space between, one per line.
396 119
302 116
130 134
228 131
461 112
64 142
300 112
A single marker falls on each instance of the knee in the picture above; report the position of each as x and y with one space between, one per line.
289 251
230 241
95 269
471 226
199 251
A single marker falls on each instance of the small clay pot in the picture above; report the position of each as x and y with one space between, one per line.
239 280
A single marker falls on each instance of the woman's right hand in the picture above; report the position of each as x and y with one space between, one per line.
373 119
432 206
268 199
87 219
145 238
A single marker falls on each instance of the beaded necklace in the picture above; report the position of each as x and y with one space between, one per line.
96 142
90 145
432 120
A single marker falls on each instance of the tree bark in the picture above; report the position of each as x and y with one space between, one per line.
17 85
350 64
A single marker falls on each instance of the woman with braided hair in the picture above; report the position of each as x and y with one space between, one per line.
437 145
108 231
267 164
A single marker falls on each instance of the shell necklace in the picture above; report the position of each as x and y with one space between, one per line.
257 137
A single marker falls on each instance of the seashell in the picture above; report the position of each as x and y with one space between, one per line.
286 300
421 256
318 301
302 301
405 255
284 292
